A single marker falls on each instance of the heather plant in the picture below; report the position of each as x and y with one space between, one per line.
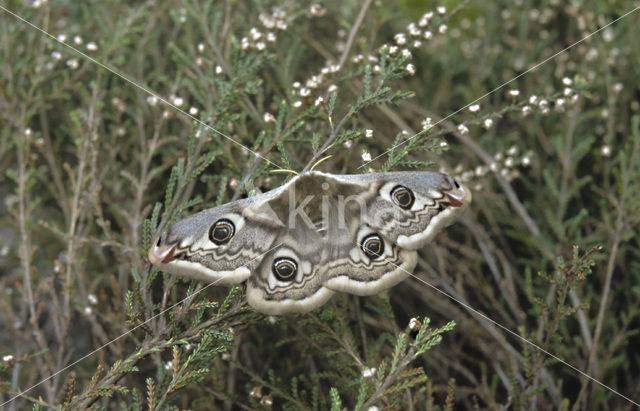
118 119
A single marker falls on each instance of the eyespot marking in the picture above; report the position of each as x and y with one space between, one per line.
221 231
284 269
373 246
403 197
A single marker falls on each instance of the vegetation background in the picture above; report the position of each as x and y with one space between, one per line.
93 165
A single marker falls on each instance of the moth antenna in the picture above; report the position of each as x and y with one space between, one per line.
320 161
285 170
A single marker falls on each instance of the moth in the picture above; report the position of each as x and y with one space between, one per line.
316 235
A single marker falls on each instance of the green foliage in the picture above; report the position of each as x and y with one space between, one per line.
93 168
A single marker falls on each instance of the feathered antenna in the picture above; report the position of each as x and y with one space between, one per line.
320 161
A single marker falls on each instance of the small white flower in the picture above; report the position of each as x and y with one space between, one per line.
281 25
368 133
366 156
373 408
400 39
414 323
427 123
7 358
261 45
358 58
393 50
318 101
568 91
268 118
567 81
417 44
605 151
193 111
178 101
297 104
244 43
372 59
533 99
317 10
305 92
256 392
88 310
525 161
608 35
442 28
509 162
271 37
4 251
526 110
427 35
444 144
474 108
219 70
92 46
266 401
62 38
441 10
493 167
406 53
480 171
168 365
199 61
200 47
369 372
462 129
296 84
513 93
332 88
411 69
92 299
77 40
152 100
512 151
348 143
255 34
56 55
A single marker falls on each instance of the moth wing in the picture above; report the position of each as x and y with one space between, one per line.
409 208
189 247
